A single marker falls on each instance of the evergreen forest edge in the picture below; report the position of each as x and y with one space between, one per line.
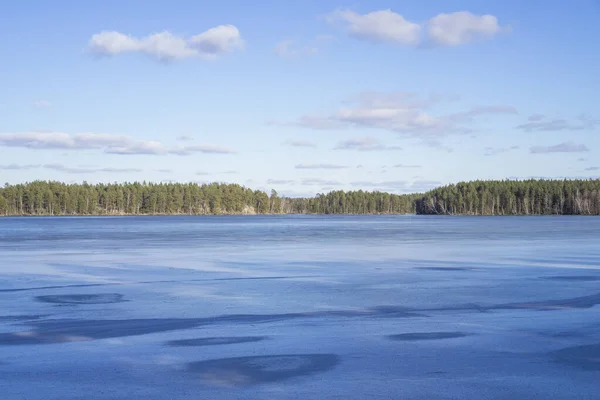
481 197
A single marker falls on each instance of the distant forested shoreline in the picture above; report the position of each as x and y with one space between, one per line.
506 197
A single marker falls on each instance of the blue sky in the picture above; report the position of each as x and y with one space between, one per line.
303 97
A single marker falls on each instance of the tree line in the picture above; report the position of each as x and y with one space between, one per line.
511 197
142 198
506 197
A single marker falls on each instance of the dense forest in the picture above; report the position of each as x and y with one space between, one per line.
508 197
511 197
55 198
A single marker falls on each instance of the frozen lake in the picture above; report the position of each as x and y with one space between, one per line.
300 307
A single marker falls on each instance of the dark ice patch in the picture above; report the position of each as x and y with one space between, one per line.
66 330
17 318
61 331
99 298
215 341
583 357
244 371
446 269
574 278
427 336
549 305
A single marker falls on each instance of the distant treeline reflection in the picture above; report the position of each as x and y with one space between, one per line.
508 197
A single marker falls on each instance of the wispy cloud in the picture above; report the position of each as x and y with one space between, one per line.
109 143
19 166
280 182
319 182
566 147
536 117
290 48
364 144
41 104
301 143
320 166
185 138
406 166
539 123
166 46
492 151
80 170
592 169
201 148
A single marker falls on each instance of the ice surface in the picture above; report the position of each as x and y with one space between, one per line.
300 307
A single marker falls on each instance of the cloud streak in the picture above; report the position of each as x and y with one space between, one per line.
18 167
301 143
406 166
539 123
71 170
566 147
109 143
319 182
319 166
280 182
364 144
166 46
492 151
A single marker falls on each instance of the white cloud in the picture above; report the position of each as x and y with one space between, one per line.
109 143
399 112
378 26
452 29
566 147
320 166
138 147
185 138
364 144
165 46
461 27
